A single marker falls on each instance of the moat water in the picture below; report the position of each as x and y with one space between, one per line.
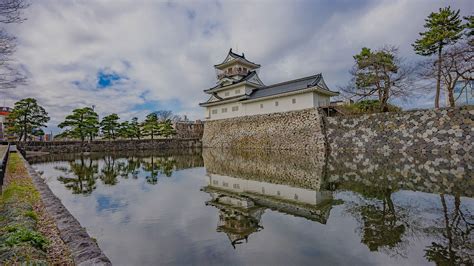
258 208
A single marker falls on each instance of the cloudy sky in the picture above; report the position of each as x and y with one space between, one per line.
133 57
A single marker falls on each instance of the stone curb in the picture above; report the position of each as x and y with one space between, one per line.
84 250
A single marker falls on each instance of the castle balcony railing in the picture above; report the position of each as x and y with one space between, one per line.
230 73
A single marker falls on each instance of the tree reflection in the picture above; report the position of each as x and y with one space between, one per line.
382 224
131 167
156 166
454 242
381 227
84 174
110 171
152 168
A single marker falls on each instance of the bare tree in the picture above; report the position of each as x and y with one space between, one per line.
164 115
457 68
10 12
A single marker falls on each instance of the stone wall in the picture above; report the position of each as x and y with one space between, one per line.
117 145
189 130
296 130
442 130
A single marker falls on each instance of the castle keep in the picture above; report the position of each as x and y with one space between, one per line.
240 91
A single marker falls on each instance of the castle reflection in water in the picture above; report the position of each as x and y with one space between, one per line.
381 192
243 185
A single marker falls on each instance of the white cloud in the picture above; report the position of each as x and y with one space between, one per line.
167 49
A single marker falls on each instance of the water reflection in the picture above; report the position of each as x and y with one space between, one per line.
82 171
303 185
256 181
387 208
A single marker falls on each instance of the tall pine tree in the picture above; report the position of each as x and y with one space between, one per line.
442 28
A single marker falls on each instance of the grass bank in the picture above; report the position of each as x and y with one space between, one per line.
27 233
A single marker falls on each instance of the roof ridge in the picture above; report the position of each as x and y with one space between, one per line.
291 81
241 56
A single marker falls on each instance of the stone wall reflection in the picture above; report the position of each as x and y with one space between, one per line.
426 172
293 168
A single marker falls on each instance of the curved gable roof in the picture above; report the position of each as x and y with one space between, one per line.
233 56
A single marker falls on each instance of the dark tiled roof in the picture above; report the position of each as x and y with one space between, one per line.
287 86
225 99
247 77
234 55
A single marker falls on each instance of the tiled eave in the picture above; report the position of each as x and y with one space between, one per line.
312 89
217 89
234 99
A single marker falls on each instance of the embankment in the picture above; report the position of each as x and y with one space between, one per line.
296 130
439 130
35 227
442 130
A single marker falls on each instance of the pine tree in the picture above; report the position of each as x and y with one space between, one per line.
135 128
82 123
109 126
26 118
151 125
166 128
442 28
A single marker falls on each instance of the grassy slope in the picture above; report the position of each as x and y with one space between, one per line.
27 233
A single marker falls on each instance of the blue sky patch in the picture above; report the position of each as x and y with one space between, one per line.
105 80
155 105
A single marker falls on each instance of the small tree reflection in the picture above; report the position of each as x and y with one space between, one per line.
110 171
454 245
382 224
84 175
157 166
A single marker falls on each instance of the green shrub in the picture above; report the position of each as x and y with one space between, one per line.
19 235
32 215
368 107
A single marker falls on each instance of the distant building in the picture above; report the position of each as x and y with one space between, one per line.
464 92
4 112
240 92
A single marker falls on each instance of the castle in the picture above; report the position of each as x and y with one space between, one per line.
240 91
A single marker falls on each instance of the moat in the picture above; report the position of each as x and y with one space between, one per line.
224 207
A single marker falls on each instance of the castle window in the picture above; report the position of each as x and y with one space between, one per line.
236 186
225 184
215 182
261 105
226 93
276 103
237 91
296 197
293 100
224 110
214 112
278 192
235 108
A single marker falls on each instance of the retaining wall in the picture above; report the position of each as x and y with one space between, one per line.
296 130
440 130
